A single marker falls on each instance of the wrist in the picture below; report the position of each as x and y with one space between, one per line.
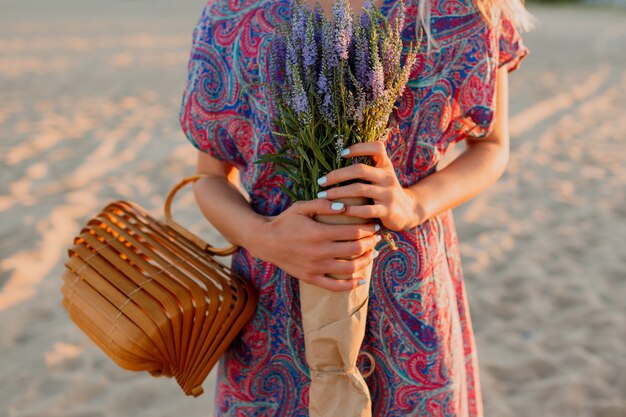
419 213
256 235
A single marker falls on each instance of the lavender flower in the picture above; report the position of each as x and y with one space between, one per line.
350 105
327 105
328 45
298 23
362 56
365 16
342 28
299 99
335 83
278 57
291 66
309 51
325 76
400 17
296 96
376 73
319 20
338 147
393 45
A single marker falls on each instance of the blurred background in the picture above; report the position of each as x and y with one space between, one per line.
89 99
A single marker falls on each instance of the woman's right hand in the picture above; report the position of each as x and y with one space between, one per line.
307 249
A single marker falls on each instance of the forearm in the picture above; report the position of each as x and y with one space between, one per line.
227 210
482 163
293 241
468 175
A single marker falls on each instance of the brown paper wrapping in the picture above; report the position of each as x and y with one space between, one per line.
334 327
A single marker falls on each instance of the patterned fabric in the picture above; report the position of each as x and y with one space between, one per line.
419 329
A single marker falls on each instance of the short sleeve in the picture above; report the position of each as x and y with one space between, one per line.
485 50
512 49
211 114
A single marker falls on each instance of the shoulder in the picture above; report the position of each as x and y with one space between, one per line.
237 29
233 13
457 21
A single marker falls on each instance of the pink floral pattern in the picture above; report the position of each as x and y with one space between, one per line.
419 327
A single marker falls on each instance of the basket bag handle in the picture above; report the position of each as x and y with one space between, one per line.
186 233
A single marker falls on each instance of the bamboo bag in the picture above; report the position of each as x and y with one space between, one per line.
152 296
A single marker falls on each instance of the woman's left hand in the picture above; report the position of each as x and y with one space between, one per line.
395 206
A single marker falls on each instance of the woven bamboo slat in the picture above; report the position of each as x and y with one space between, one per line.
151 294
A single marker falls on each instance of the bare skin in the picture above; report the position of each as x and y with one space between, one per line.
355 5
306 249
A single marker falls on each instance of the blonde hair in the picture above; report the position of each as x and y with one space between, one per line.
493 11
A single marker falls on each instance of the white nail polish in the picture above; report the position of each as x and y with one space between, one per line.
336 206
361 282
322 180
376 253
345 152
378 238
377 227
322 194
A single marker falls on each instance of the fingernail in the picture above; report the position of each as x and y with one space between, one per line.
377 227
322 180
378 238
337 206
361 281
345 152
375 253
322 194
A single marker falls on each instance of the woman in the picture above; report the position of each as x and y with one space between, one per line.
419 331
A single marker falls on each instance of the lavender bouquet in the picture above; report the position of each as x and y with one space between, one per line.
333 84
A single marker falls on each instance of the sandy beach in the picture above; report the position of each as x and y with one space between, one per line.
89 100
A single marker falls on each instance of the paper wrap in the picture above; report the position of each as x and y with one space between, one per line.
334 327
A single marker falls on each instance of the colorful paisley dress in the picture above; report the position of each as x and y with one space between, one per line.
419 330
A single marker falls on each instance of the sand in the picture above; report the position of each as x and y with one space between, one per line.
89 100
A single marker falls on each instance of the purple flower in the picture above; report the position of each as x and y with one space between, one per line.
345 72
296 92
318 18
339 146
324 91
377 80
393 44
298 23
342 28
350 105
388 53
291 61
365 19
376 73
299 99
329 109
309 51
328 46
360 107
361 56
400 17
278 56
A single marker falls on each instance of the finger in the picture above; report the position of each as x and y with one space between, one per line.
352 248
318 206
333 284
362 171
339 232
357 189
369 211
352 266
377 150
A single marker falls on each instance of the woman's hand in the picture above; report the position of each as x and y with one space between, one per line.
395 206
306 249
